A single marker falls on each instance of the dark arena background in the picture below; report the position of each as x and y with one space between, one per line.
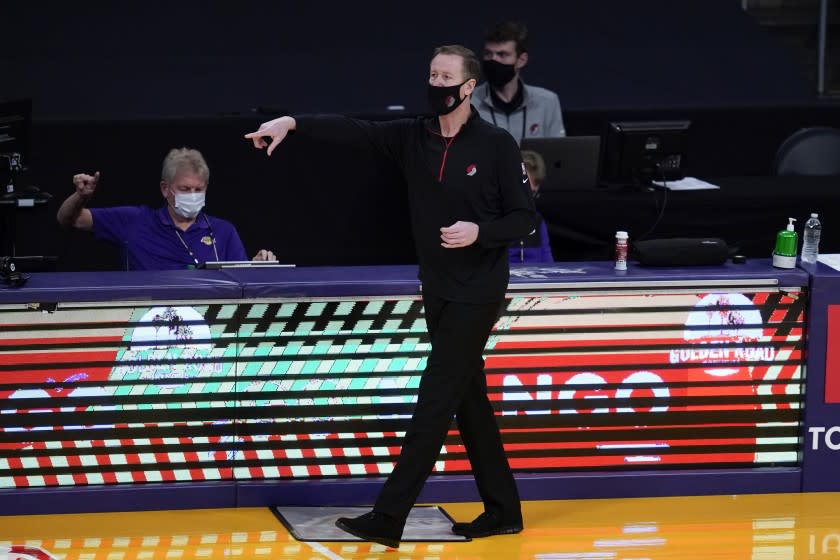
114 87
654 412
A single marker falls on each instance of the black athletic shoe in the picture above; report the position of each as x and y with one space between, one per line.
374 527
487 524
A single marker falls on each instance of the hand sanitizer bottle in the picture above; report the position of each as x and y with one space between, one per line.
784 255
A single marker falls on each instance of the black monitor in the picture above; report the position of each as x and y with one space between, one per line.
635 153
15 124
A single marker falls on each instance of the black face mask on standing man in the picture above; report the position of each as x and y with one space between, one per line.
445 99
498 74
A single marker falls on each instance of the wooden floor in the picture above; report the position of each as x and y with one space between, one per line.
755 527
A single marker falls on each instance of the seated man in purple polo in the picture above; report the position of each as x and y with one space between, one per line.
178 235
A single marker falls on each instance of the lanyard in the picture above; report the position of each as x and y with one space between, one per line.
524 118
187 247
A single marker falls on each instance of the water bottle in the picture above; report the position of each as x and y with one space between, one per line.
621 241
811 239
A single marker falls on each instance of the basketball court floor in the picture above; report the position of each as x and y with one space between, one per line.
755 527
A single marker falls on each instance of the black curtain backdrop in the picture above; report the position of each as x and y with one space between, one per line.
100 59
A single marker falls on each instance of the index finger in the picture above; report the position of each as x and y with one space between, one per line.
257 138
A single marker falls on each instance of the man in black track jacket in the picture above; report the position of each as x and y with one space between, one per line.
469 199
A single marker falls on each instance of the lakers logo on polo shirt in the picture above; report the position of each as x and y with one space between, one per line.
207 240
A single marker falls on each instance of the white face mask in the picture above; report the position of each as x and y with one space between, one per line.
188 205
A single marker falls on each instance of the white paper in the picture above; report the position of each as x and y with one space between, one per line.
832 260
686 184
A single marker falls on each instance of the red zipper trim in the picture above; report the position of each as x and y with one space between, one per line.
446 144
445 153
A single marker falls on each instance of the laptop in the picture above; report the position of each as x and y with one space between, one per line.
215 265
571 162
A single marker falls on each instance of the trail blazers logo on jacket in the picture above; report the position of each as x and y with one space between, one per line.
472 169
534 128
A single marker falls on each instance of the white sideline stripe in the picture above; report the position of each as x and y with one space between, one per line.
318 547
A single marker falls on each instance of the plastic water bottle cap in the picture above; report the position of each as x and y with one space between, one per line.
814 215
621 234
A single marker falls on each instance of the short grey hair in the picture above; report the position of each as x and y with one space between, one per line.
472 67
184 160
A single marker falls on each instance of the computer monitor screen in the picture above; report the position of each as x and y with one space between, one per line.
635 153
15 123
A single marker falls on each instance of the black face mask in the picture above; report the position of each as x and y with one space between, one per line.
498 74
445 99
